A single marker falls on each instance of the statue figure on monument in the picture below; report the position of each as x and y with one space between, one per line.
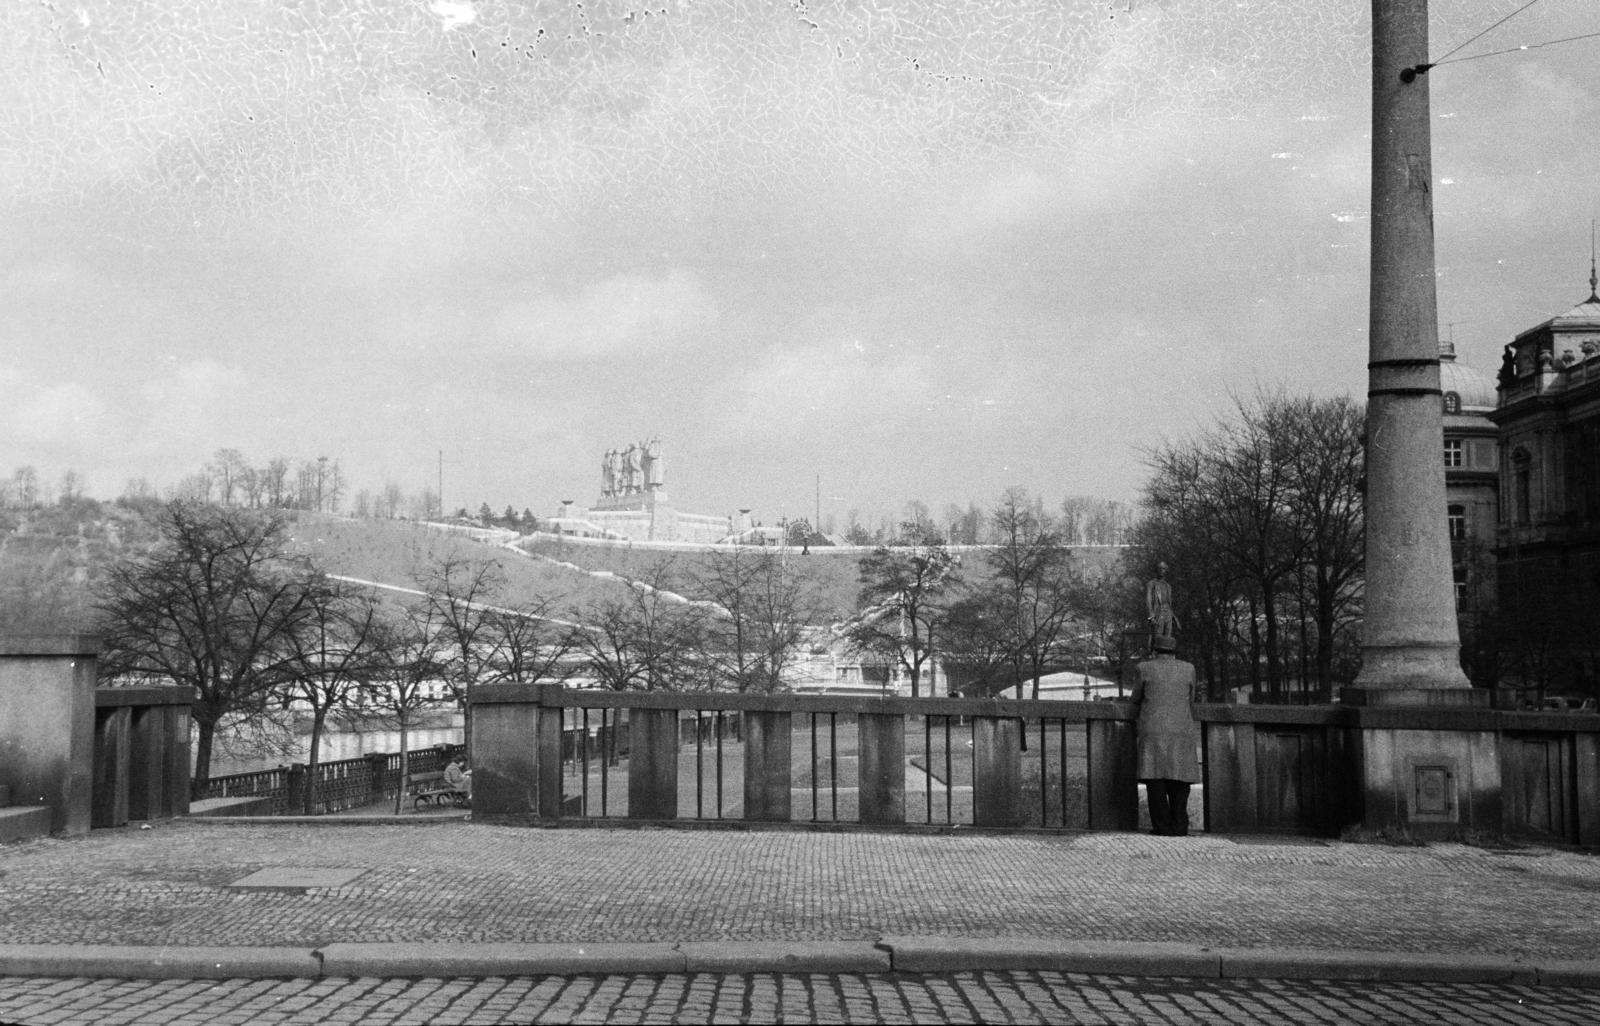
630 469
653 470
608 473
1158 604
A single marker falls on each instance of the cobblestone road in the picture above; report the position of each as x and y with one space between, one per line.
473 882
961 997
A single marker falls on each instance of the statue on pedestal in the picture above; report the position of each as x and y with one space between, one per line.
1158 605
608 473
653 469
630 469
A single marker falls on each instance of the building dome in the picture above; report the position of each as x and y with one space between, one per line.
1473 390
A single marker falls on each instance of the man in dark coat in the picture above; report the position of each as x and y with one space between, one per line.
1169 737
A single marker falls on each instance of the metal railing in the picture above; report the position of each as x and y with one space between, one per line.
819 759
340 785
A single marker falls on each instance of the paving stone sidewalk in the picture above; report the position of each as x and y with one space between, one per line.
468 882
993 997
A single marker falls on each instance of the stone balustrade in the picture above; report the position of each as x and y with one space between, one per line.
546 754
525 768
47 715
141 754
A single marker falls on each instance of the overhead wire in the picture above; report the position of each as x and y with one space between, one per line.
1515 49
1411 73
1485 32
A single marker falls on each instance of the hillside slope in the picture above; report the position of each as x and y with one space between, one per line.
52 560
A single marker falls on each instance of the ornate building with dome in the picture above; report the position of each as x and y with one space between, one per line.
1471 476
1548 549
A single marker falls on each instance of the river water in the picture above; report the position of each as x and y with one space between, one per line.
335 746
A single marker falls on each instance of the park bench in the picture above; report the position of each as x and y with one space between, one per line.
425 790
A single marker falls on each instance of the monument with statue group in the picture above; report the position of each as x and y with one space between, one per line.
634 505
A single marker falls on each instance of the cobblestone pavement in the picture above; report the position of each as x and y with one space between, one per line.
761 998
473 882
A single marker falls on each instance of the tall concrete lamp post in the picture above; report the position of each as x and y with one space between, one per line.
1410 640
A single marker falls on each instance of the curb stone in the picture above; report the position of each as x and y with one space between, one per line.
433 959
890 954
1378 966
452 818
786 957
158 963
1124 958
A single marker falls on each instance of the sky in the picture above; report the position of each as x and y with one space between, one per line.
923 250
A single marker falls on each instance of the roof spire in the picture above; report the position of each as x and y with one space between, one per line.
1594 297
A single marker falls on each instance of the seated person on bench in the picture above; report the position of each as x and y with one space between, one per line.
456 778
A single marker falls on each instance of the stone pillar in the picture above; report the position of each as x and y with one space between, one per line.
1410 637
766 767
112 729
512 744
147 763
1113 764
47 717
996 771
297 789
175 800
883 767
652 763
377 770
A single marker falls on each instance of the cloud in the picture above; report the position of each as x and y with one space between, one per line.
625 313
62 416
181 417
453 13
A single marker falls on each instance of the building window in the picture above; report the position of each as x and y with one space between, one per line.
1458 523
1459 573
1452 402
1522 495
1452 452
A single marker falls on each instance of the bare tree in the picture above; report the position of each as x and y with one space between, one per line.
218 605
196 488
1261 519
333 659
25 487
225 469
529 645
1031 583
392 500
72 487
275 483
977 655
251 483
649 639
461 590
902 589
1325 480
408 658
767 611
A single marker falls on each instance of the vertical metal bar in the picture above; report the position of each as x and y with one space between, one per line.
606 741
1063 771
583 739
1044 779
719 763
949 777
927 763
699 769
814 816
833 757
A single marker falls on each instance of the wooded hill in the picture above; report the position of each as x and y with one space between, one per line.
51 558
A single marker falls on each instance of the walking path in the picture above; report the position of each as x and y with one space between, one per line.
445 882
991 997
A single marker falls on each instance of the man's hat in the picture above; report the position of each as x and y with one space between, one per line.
1163 643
